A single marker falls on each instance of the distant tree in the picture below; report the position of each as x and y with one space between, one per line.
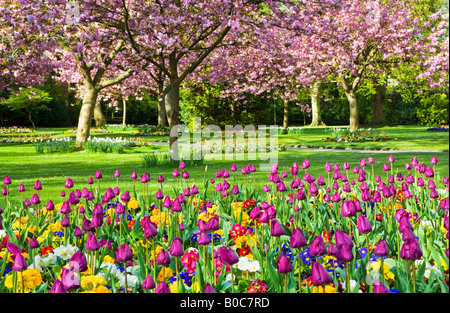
28 102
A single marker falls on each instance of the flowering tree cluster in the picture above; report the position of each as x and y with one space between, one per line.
114 49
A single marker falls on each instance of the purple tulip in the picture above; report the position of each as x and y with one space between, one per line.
386 168
123 253
346 166
298 239
13 248
58 287
90 181
209 289
382 249
429 172
148 283
213 224
150 229
332 250
176 249
444 204
343 239
284 265
7 180
233 168
69 183
163 258
264 217
162 288
65 222
92 243
235 190
409 179
408 166
320 277
70 280
20 264
98 175
411 250
364 226
317 247
379 287
434 194
336 198
35 199
125 197
345 254
65 208
203 239
305 164
348 208
167 202
276 229
321 181
313 190
228 256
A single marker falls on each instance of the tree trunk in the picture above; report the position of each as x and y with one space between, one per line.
99 117
173 102
315 106
377 101
354 114
168 107
161 107
86 113
124 120
286 117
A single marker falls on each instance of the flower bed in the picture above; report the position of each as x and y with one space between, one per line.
15 130
293 233
440 128
362 135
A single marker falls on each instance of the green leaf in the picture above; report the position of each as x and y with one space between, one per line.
274 277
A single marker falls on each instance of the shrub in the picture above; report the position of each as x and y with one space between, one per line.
433 110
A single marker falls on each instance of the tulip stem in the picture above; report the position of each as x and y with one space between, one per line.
212 260
154 259
23 284
299 272
232 280
286 283
347 278
125 274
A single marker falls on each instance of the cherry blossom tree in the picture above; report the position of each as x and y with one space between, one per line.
82 47
369 38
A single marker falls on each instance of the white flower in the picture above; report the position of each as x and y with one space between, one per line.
353 284
50 258
64 252
2 234
254 266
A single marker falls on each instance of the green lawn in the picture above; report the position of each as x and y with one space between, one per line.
410 138
25 166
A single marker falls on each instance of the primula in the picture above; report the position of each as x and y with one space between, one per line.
324 289
92 282
31 279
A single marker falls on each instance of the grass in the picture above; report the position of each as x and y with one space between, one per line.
410 138
24 165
